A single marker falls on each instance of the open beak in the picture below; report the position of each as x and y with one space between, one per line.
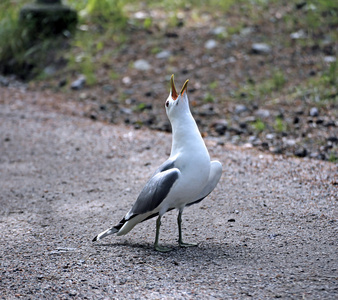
174 94
184 87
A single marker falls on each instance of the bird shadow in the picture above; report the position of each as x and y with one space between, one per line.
204 251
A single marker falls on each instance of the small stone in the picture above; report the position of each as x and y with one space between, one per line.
240 109
126 80
301 152
78 83
163 54
210 44
257 142
249 119
142 65
300 5
290 142
260 48
221 126
247 31
219 30
126 111
4 81
140 15
332 139
329 59
300 34
262 113
276 150
231 220
72 293
270 136
252 138
50 70
296 120
171 34
314 112
62 82
108 88
330 123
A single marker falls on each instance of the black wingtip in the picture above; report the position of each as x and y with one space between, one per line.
94 239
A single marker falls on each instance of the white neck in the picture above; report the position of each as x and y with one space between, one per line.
185 134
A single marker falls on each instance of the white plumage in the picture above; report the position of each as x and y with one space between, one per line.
185 178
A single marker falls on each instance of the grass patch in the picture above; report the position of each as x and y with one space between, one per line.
280 125
253 90
259 125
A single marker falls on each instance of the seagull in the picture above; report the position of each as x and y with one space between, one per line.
185 178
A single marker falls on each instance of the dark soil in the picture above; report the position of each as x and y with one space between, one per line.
278 96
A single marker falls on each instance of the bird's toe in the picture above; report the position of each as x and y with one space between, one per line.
185 245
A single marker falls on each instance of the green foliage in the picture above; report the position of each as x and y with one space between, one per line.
279 125
333 157
208 98
321 89
259 125
147 23
330 76
213 85
172 5
266 87
107 11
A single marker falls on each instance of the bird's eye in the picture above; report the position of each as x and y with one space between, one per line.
167 103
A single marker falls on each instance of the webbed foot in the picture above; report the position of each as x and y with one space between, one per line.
185 245
162 249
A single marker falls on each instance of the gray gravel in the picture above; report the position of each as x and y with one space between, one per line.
269 230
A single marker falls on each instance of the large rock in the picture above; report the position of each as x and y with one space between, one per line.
48 17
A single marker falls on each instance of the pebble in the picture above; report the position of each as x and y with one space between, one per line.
260 48
290 142
314 112
329 59
62 82
126 111
142 65
126 80
108 88
256 142
4 81
270 136
78 83
218 30
300 34
210 44
301 152
163 54
240 108
262 113
221 126
50 70
247 31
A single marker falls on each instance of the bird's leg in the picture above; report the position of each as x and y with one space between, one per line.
179 222
156 245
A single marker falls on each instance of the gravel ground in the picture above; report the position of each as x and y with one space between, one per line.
269 230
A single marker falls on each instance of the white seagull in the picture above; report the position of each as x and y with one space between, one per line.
185 178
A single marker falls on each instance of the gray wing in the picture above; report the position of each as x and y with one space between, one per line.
155 191
167 165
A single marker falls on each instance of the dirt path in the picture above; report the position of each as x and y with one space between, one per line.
268 231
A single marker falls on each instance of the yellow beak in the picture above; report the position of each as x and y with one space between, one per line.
174 94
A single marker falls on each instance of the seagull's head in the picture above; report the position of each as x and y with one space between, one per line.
177 104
